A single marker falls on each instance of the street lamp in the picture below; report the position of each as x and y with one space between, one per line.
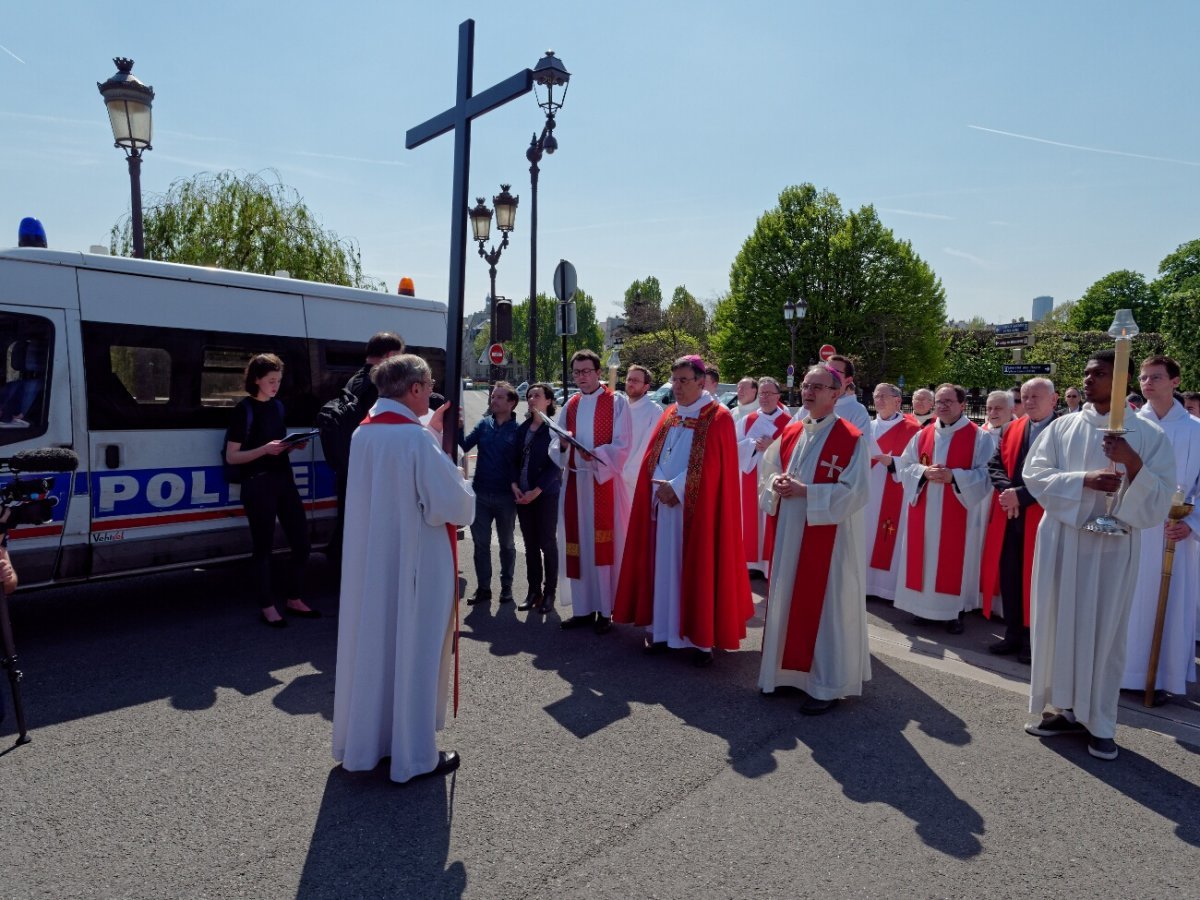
128 102
793 312
481 229
614 362
549 73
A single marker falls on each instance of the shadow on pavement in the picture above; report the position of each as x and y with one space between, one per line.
374 838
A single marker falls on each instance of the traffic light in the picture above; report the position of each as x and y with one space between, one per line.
503 320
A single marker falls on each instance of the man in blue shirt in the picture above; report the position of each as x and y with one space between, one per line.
496 437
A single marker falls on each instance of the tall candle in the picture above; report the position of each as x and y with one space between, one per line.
1120 382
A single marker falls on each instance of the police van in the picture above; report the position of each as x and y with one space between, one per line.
136 365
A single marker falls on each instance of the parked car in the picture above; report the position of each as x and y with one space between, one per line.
521 389
560 398
729 399
664 396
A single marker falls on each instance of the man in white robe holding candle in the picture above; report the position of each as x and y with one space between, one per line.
944 470
1083 581
815 487
1159 379
399 583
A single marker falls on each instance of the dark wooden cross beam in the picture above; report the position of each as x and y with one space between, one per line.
458 119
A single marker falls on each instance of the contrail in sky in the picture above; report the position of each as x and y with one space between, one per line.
13 55
1026 137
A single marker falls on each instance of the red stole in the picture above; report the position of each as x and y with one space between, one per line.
892 443
816 546
604 507
395 418
989 571
953 542
750 536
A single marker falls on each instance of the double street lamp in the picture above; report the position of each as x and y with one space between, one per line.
128 102
549 73
793 312
481 228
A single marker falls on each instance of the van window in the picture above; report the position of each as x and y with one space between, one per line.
222 379
144 372
27 346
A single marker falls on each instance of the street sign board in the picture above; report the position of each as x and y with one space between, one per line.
791 371
496 354
1013 328
1029 369
827 351
565 281
791 379
1014 340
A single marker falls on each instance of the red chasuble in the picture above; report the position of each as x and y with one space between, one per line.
715 589
750 487
816 547
604 510
953 542
394 418
989 571
886 528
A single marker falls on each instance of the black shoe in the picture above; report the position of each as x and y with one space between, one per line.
278 623
702 659
506 597
814 707
921 620
1053 726
448 761
576 622
1004 648
653 648
302 613
547 604
480 597
1160 698
1102 748
531 601
603 625
955 626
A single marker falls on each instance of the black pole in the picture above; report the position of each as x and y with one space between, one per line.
493 369
8 658
135 190
534 155
792 386
562 311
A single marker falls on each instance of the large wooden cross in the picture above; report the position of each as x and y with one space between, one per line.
458 119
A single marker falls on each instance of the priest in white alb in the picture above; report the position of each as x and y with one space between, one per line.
945 475
399 589
815 487
593 503
644 414
1083 582
891 430
1159 379
755 433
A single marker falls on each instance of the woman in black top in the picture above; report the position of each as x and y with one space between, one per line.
268 491
535 483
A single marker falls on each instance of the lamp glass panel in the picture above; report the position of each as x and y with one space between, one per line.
481 226
506 215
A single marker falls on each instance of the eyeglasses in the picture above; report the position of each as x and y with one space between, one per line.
809 386
587 371
770 393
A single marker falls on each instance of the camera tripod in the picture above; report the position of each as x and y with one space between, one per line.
8 658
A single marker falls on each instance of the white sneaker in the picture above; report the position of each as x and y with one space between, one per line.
14 423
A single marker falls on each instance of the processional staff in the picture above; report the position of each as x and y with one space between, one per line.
1180 509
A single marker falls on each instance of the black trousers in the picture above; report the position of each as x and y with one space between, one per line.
1012 584
267 497
539 531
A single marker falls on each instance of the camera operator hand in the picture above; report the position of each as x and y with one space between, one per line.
8 575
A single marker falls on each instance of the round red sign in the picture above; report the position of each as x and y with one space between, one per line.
827 350
496 354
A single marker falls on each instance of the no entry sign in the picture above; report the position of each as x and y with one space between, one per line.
496 354
827 352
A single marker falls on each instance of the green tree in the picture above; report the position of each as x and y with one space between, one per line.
972 360
1123 289
643 306
244 222
1181 268
686 314
549 345
867 292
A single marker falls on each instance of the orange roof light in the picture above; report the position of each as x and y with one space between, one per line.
406 288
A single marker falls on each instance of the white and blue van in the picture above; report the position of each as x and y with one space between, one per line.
135 366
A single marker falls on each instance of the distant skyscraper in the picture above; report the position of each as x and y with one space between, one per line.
1042 307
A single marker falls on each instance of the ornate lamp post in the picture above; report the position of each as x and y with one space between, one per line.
793 312
549 73
128 102
481 228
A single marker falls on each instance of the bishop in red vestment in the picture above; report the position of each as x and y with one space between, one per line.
684 575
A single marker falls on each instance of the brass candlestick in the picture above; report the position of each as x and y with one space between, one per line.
1180 509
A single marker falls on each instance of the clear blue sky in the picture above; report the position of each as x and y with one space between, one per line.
682 125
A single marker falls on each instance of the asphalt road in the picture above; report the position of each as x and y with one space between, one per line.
182 750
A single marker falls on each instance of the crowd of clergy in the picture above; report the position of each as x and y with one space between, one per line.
665 515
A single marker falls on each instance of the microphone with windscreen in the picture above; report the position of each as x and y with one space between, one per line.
45 459
29 501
